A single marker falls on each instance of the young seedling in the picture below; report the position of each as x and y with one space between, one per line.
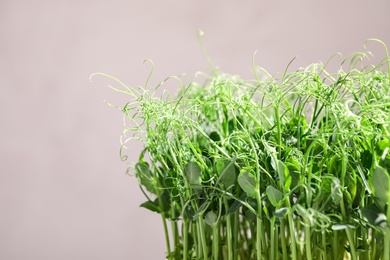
295 167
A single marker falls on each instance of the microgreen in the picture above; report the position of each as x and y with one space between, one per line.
295 167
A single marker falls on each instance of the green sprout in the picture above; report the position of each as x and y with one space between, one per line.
295 167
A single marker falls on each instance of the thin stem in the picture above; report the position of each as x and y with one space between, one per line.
200 34
216 241
229 237
273 240
174 227
343 211
323 240
279 130
386 252
202 235
259 228
292 232
308 241
185 238
236 234
335 245
283 239
167 243
197 239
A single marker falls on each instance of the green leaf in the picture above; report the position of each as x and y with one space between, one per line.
336 193
165 201
274 195
193 174
151 205
350 181
366 159
280 213
284 176
380 185
189 213
281 172
236 204
383 144
210 218
145 176
273 163
215 136
227 172
374 216
249 215
248 184
359 193
202 208
171 185
293 170
235 124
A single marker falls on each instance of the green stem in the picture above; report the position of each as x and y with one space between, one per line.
246 241
343 211
273 239
259 224
349 233
323 235
335 245
167 243
283 239
174 227
229 237
216 241
259 228
301 252
292 231
276 245
202 235
279 128
365 238
386 250
197 240
373 244
184 232
307 241
236 234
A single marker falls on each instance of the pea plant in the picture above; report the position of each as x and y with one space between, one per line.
289 167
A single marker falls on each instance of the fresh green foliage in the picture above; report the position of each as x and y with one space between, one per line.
248 184
291 167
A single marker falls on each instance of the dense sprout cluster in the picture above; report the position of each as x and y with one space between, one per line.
295 167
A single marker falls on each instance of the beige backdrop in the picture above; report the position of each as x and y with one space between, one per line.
63 189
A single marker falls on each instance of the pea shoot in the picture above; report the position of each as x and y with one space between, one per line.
295 167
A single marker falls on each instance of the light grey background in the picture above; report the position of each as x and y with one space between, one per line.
63 189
